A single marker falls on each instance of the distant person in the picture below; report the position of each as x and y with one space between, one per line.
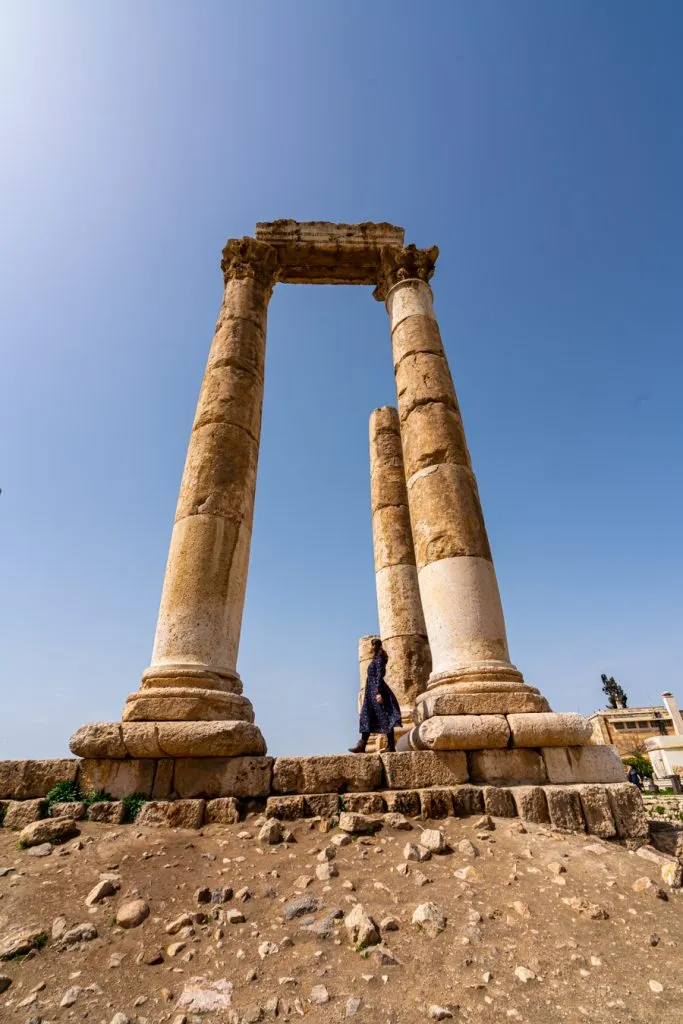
380 712
633 776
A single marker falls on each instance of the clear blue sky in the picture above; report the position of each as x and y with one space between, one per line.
538 144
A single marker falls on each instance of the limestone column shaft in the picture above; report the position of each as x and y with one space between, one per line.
457 580
193 673
401 619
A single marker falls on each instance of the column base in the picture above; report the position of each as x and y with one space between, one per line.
186 704
161 739
498 699
476 732
179 675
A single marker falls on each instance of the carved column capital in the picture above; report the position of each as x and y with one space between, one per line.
245 257
402 264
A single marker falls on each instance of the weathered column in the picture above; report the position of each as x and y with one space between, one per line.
471 668
193 671
190 702
401 620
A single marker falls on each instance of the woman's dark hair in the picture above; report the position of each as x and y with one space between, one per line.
378 649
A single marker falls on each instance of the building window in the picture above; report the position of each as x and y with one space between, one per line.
618 725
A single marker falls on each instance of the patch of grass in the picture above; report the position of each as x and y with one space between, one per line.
40 940
133 804
97 796
23 845
64 793
659 809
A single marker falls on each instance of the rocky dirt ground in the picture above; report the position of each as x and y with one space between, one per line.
507 924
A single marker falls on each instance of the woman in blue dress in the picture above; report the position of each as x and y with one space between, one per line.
380 711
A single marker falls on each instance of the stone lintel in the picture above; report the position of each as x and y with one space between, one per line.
319 252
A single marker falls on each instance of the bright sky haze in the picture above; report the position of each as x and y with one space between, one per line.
539 145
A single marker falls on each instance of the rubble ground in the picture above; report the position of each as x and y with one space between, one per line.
507 923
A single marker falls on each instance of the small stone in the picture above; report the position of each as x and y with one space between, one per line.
300 906
645 884
132 914
58 928
176 948
243 894
324 872
429 918
267 949
173 927
271 832
433 839
350 821
555 868
100 892
521 908
234 916
403 870
486 822
466 848
120 1018
319 995
381 955
48 830
5 982
361 928
593 910
70 996
524 974
420 879
79 933
341 840
302 882
388 924
437 1012
655 986
327 853
398 821
353 1005
44 850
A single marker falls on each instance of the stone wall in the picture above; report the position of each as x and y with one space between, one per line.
576 793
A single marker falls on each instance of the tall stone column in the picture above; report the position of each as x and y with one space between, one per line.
190 701
401 620
471 668
193 672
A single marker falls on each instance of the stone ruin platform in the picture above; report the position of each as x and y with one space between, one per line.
579 789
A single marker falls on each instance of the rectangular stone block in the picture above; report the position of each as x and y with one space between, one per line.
174 813
499 802
321 805
436 803
72 809
531 804
628 812
116 777
225 810
403 801
109 812
428 705
364 803
507 767
338 773
566 765
597 811
318 252
211 777
20 813
467 800
422 769
28 780
668 838
162 787
286 808
564 807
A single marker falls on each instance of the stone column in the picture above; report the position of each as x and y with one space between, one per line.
193 673
471 670
401 620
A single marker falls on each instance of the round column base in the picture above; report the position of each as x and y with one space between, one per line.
184 675
167 739
186 704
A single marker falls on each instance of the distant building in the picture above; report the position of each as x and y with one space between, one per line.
628 728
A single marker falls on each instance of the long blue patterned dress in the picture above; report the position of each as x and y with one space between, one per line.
376 717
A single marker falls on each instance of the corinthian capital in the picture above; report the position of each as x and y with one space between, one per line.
402 264
245 257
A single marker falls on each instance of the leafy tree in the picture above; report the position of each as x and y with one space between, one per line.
616 697
641 764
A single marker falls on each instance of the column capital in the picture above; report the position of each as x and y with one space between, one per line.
402 265
245 257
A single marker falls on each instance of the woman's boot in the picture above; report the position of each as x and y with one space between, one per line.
361 745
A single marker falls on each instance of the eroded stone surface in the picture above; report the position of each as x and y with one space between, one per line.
334 774
420 769
597 811
564 807
510 767
566 765
196 777
456 702
531 803
549 729
176 813
27 780
461 732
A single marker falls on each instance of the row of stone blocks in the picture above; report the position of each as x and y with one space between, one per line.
249 777
614 810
